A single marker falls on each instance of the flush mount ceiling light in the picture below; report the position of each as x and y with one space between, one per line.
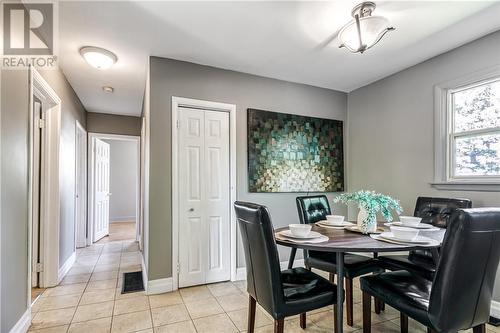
98 57
108 89
365 30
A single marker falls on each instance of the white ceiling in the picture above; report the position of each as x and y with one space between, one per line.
283 40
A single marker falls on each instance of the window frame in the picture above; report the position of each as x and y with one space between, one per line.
453 136
445 137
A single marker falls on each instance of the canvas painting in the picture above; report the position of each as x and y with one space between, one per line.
292 153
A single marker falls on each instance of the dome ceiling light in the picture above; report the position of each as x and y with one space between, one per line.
98 57
365 30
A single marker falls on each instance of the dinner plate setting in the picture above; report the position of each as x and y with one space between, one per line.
328 224
311 237
391 238
420 226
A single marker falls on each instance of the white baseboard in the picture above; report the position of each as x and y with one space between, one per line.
158 286
23 324
64 269
122 219
495 309
241 272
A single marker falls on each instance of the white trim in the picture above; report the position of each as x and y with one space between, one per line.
159 286
130 218
206 105
442 122
495 309
23 324
90 195
79 127
66 267
144 273
241 272
152 287
49 182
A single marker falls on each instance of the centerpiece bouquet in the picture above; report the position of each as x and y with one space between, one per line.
369 204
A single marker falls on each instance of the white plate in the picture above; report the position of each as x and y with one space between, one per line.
418 240
432 242
421 226
287 233
338 225
341 224
302 241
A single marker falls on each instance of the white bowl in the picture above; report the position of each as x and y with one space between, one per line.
300 230
410 221
403 233
335 219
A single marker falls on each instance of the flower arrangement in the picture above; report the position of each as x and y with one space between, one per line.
369 203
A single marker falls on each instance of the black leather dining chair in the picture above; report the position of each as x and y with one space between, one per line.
435 211
312 209
280 293
459 297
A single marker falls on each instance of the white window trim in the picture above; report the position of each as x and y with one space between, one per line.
442 123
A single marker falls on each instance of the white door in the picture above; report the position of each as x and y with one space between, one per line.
101 189
204 197
81 187
37 193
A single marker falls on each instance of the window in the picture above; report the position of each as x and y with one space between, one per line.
467 132
474 131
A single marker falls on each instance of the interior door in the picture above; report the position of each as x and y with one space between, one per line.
101 189
204 207
36 196
81 187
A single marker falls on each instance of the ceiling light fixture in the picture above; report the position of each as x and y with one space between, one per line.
108 89
365 30
98 57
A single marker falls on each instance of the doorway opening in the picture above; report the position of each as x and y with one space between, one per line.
203 190
43 226
114 185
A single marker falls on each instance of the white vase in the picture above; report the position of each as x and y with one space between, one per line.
371 226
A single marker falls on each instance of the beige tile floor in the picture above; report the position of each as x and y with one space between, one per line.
119 231
89 300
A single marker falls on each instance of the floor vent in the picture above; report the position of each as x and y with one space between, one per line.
132 282
494 321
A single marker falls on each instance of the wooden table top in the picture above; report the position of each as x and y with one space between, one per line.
349 241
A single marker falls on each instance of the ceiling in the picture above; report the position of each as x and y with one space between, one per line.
283 40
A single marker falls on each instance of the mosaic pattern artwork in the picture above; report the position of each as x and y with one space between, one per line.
291 153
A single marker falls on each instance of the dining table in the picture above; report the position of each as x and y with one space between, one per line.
342 241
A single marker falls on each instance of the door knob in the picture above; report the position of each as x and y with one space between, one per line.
191 209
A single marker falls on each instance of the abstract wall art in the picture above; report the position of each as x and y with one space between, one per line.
291 153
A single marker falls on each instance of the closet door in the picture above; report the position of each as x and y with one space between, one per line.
204 207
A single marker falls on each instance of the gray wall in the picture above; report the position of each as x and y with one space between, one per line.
124 161
113 124
14 196
175 78
390 127
14 175
71 111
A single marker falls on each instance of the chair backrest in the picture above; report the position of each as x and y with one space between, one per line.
313 208
437 211
463 284
262 261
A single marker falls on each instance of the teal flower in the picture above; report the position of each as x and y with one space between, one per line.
372 203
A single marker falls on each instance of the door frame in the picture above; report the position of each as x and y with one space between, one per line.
90 195
49 181
83 155
178 102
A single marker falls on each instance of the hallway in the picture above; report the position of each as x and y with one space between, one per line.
91 291
119 231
